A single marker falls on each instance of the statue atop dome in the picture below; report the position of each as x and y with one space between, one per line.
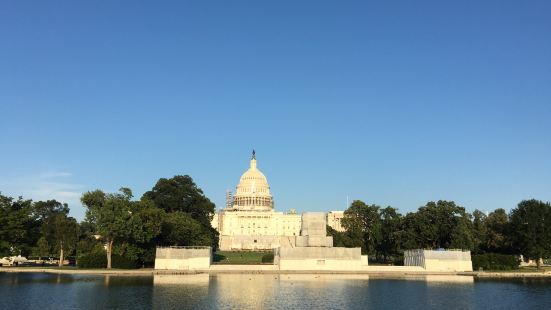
254 155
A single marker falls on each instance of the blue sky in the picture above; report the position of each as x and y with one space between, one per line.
394 103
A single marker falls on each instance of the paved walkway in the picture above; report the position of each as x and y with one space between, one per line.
382 271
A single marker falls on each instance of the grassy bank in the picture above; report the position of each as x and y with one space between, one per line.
242 258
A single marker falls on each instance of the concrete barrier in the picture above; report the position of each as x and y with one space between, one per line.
431 260
319 258
183 258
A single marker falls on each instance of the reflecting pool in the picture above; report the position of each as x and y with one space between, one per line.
255 291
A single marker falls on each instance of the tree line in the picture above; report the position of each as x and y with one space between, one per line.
384 233
174 212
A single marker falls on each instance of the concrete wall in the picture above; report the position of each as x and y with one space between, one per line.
183 258
244 242
319 258
439 260
448 265
314 224
314 241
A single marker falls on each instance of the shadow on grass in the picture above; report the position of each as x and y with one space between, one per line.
216 258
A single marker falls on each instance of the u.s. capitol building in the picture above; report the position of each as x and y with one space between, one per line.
249 221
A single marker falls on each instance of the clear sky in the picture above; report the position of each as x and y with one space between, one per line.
394 103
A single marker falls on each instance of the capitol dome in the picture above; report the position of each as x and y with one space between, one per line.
253 191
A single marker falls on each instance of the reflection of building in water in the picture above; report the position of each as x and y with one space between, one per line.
438 279
321 278
201 279
170 290
249 291
449 279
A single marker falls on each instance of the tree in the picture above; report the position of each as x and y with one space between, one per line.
87 242
145 225
440 224
44 209
17 226
531 224
389 243
480 230
61 232
180 193
42 248
497 231
363 225
110 214
179 228
120 221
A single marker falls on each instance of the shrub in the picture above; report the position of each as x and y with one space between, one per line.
494 261
398 260
99 260
122 262
92 260
268 258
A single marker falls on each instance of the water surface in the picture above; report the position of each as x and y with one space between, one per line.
51 291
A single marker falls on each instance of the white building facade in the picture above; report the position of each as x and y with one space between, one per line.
334 220
249 221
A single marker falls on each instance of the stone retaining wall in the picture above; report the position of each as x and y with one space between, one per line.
183 258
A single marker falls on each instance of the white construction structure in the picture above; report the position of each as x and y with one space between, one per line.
183 257
439 260
313 249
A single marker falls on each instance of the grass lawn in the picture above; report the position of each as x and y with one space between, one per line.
241 258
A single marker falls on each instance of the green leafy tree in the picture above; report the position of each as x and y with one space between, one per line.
440 224
18 228
44 209
130 225
179 228
389 243
42 248
110 214
363 224
145 225
181 194
531 227
480 231
88 244
61 232
340 238
498 239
